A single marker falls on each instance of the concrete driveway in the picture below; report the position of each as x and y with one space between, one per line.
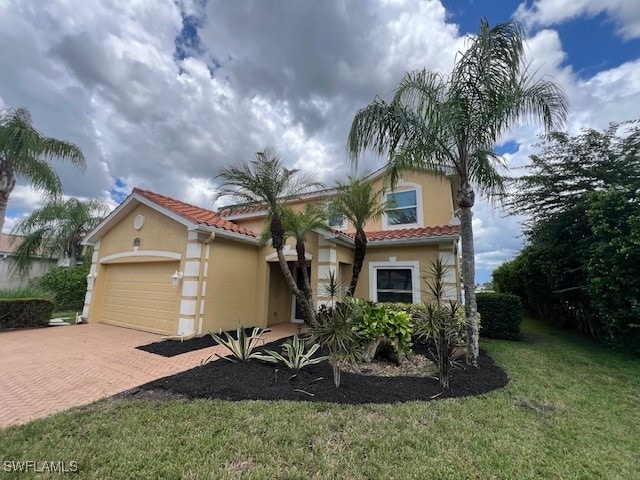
46 370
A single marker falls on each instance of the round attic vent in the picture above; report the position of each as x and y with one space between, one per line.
137 223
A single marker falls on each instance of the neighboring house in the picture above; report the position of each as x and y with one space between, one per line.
165 266
10 279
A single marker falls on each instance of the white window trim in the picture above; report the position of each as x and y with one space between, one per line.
403 187
413 265
343 226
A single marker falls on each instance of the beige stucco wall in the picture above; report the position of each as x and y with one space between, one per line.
232 286
424 254
437 202
158 232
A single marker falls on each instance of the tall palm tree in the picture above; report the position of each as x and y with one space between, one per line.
56 230
358 202
25 152
265 181
298 225
453 122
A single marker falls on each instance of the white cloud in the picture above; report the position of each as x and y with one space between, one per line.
287 74
625 13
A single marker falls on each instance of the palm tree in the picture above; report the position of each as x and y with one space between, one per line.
265 181
25 152
298 225
436 122
359 203
56 230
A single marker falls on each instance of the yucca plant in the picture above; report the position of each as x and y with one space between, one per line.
242 347
297 357
441 325
333 329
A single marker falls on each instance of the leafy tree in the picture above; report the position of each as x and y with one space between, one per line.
453 122
25 152
358 202
56 230
582 196
265 181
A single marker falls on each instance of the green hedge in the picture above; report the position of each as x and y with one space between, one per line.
501 315
25 312
67 285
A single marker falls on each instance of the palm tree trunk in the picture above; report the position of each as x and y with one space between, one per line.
469 280
7 184
308 296
359 252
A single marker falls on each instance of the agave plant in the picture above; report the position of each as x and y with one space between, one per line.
242 347
296 357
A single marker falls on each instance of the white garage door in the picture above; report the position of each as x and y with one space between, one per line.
140 296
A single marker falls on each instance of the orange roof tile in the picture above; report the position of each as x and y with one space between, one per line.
421 232
193 213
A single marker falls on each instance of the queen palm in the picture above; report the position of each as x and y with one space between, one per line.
25 152
452 123
265 182
358 202
56 230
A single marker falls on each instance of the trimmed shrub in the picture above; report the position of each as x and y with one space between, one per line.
377 324
501 315
25 312
67 286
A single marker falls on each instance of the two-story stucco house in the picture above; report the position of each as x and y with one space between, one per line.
165 266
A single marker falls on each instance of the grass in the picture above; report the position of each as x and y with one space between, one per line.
24 293
571 411
71 314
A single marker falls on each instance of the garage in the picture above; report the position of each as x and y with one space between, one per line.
141 296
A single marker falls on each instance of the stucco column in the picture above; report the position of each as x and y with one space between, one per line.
91 283
327 265
193 286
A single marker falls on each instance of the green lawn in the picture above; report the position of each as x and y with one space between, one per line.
570 411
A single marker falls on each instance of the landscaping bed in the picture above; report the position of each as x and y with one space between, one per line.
254 380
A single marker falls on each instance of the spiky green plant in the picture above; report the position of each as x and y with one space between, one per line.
297 356
333 329
242 347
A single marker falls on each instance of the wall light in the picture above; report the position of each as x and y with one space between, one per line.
175 278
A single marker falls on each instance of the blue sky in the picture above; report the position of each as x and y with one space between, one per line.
589 41
161 95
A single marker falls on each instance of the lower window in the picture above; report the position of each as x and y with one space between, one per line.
394 285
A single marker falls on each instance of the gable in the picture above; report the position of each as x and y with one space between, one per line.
157 232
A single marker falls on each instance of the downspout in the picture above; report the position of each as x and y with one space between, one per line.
194 333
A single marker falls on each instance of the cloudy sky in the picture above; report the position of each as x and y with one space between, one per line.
161 94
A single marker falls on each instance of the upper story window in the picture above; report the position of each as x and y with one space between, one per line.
405 208
337 221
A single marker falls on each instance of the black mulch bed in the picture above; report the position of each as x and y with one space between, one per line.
171 348
253 380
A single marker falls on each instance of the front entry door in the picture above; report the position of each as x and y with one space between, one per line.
297 312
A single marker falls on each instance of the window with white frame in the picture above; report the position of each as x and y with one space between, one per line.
394 282
337 221
404 208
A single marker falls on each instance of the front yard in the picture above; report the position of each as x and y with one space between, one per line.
569 411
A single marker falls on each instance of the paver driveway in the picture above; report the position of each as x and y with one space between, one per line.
47 370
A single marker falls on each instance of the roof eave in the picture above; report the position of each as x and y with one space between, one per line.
125 208
412 241
221 232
